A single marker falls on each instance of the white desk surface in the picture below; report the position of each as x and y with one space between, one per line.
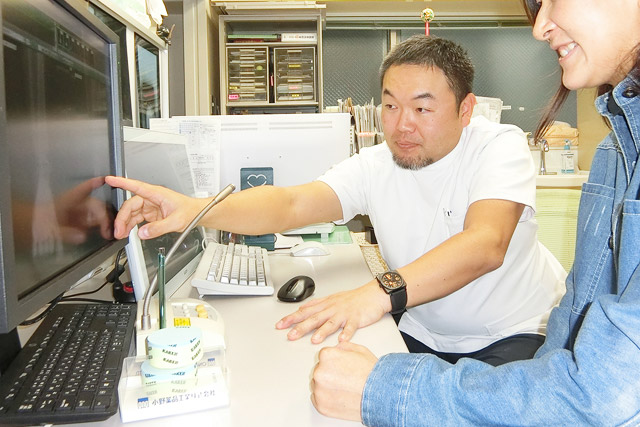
269 375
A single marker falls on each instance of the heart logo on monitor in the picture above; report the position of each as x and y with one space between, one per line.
256 180
255 177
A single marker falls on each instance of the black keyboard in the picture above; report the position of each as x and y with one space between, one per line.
68 371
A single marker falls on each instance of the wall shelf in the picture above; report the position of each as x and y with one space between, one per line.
269 60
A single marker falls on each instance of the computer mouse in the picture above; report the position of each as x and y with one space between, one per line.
297 289
311 248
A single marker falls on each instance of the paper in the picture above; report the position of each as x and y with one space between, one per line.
286 242
203 147
156 9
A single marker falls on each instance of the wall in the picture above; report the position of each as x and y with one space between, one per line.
200 56
591 127
589 123
176 58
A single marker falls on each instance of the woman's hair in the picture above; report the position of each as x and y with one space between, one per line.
431 51
532 7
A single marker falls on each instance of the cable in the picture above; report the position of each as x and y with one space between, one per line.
111 277
117 269
66 298
42 315
99 301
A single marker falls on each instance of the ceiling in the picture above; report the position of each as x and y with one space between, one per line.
377 11
440 7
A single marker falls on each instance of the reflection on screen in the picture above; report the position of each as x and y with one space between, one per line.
58 142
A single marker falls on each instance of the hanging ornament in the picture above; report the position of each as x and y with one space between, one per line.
427 16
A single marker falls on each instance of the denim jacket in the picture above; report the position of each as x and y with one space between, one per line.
588 370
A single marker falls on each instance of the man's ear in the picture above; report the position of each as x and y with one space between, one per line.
466 108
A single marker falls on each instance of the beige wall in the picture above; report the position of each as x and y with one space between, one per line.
592 129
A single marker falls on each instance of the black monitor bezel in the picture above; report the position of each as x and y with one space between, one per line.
14 310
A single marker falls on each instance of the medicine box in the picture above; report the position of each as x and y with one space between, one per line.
207 390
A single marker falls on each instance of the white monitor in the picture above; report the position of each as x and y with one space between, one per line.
297 147
160 158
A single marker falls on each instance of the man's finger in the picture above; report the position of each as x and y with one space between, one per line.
348 331
153 193
300 315
330 326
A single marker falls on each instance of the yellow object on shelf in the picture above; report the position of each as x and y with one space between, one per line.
557 217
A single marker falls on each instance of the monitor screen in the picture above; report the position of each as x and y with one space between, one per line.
281 149
61 135
160 158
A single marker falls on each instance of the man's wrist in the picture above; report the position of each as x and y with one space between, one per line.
382 296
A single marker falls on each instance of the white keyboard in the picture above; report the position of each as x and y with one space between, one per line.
233 269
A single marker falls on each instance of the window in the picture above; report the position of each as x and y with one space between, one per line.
148 73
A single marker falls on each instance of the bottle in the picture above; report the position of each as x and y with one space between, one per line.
567 159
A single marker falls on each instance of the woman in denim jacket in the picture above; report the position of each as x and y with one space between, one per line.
588 370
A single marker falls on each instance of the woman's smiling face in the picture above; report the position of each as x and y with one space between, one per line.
595 39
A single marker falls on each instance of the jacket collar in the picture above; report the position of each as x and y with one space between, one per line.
622 107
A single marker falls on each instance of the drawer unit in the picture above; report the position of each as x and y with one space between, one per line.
248 74
295 76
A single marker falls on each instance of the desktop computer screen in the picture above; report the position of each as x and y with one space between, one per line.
160 158
60 134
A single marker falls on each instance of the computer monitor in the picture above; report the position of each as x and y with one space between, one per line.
160 158
60 134
297 148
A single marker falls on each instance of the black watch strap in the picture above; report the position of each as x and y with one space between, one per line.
398 300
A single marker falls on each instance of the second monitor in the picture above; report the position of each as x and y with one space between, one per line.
281 149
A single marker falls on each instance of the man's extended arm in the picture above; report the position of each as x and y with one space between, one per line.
477 250
256 211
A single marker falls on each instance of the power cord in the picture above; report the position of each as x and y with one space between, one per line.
42 315
122 292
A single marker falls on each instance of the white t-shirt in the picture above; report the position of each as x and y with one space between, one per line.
414 211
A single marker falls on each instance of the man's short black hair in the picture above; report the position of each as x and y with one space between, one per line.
431 51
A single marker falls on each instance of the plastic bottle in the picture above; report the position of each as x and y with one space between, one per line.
568 165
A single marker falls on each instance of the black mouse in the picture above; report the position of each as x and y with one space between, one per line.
297 289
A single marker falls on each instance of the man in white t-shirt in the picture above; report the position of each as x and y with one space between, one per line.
415 211
451 200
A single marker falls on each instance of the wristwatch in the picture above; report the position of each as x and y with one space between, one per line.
394 285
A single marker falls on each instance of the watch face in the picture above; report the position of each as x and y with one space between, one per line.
392 280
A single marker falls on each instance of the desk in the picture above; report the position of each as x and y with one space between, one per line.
269 375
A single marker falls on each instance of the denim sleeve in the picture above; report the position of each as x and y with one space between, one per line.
598 383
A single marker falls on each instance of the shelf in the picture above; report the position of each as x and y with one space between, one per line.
562 180
271 104
277 63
